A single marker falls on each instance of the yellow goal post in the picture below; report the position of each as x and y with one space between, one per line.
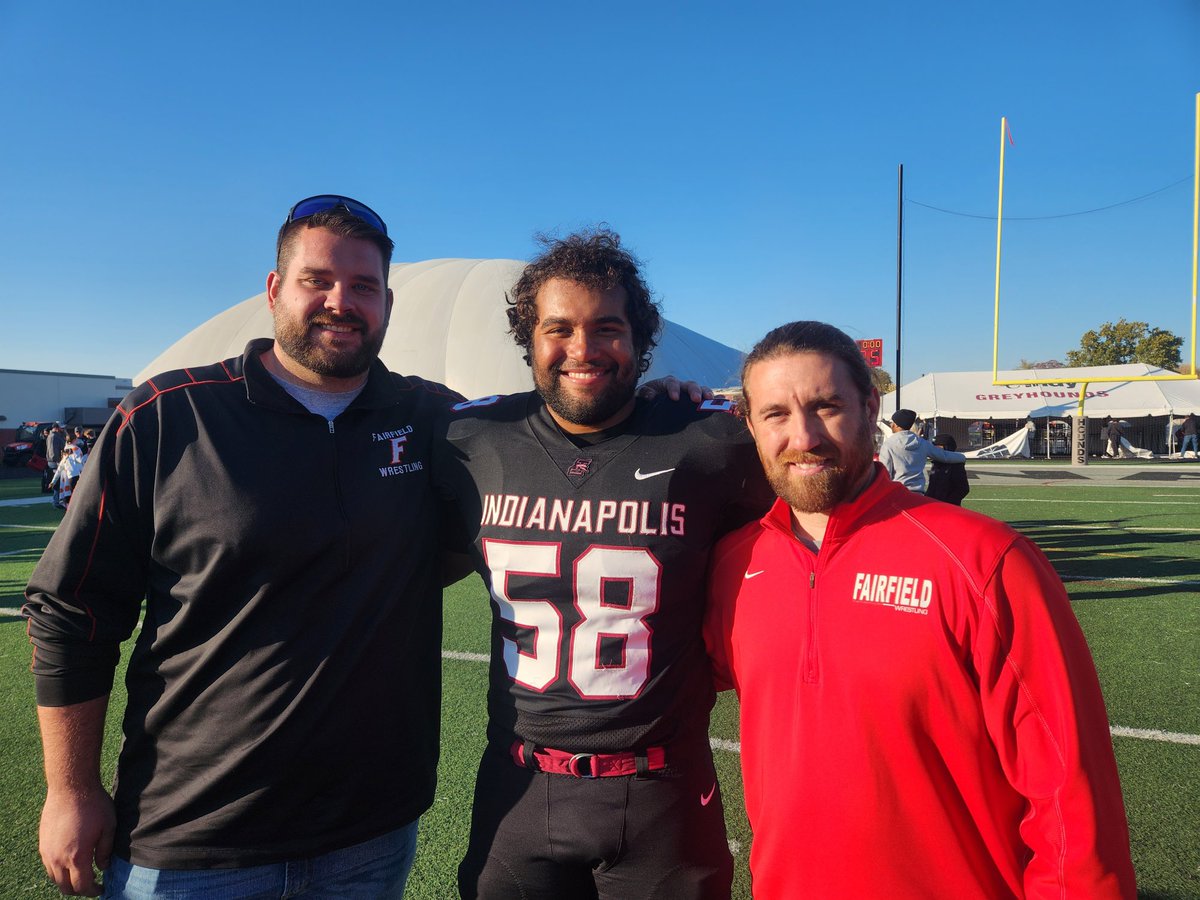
1041 377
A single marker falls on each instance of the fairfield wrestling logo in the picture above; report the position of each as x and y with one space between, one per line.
911 595
396 441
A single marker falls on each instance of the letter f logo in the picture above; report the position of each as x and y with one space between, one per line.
398 448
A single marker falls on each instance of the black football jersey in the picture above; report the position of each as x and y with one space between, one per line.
595 558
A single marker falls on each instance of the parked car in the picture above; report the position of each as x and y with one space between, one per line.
30 442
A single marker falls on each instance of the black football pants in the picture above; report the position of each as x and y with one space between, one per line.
539 835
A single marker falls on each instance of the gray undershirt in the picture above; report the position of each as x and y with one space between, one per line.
322 403
811 543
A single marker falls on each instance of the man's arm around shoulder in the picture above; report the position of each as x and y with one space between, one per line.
937 454
78 820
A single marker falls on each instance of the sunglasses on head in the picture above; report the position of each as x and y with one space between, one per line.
310 206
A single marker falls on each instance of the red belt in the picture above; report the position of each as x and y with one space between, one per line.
588 765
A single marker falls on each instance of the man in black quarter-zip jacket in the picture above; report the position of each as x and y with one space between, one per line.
284 663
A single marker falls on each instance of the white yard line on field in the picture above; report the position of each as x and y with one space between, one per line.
1105 502
26 501
1145 734
465 657
1169 582
1153 734
727 746
1148 528
30 527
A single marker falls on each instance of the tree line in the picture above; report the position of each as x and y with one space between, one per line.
1112 344
1115 343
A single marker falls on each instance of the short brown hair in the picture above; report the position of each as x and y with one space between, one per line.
811 337
342 223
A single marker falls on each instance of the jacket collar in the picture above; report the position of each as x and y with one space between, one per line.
881 498
381 390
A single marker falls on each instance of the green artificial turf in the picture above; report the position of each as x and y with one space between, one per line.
1144 635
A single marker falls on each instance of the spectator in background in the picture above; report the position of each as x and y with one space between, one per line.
947 481
66 475
904 454
56 482
1188 430
55 441
1114 432
77 456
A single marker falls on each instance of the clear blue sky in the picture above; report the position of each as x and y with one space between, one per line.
747 152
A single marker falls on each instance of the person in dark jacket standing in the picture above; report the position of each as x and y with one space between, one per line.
947 480
1114 432
284 690
55 441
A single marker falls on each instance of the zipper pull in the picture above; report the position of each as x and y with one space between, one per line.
812 580
330 421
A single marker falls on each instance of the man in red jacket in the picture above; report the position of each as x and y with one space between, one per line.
920 714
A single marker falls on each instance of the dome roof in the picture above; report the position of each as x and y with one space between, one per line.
449 324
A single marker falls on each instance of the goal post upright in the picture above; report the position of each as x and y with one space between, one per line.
999 228
1195 231
1042 379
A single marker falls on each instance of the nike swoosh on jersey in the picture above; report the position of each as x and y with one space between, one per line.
750 575
642 476
705 798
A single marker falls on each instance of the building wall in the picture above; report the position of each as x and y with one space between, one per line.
44 396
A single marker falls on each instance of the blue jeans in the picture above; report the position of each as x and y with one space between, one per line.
374 869
1188 439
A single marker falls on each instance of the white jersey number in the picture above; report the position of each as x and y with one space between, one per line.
601 620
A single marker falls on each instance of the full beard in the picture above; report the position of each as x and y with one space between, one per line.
826 489
583 410
298 342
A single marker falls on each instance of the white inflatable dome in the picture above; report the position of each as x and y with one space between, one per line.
449 324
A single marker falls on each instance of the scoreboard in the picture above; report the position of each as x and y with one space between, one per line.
872 351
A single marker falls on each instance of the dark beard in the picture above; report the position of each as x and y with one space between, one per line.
300 346
580 411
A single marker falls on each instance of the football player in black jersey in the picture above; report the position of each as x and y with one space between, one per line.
591 514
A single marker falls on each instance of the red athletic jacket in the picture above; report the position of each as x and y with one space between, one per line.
920 714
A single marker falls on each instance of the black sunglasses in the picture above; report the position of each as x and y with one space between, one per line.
310 206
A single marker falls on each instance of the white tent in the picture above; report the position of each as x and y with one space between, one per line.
449 324
971 395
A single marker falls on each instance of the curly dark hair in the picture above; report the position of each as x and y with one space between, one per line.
594 258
